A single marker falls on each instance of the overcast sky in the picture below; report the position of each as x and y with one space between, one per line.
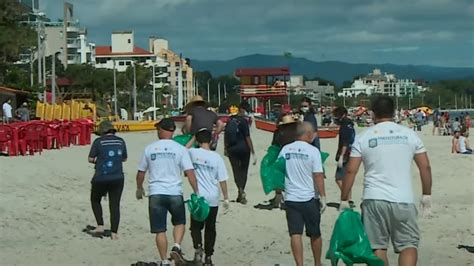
428 32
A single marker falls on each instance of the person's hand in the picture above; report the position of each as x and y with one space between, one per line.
254 159
340 163
344 205
322 204
425 205
140 193
226 205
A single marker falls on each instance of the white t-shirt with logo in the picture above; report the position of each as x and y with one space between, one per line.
301 160
7 110
165 160
210 170
387 150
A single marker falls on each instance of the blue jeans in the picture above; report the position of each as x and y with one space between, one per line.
158 208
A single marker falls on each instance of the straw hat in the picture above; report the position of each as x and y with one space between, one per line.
195 100
287 119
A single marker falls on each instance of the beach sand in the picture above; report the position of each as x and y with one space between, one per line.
44 205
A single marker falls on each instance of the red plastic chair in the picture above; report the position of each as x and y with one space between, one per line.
31 139
75 131
7 140
51 136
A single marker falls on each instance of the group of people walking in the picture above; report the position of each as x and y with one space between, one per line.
388 203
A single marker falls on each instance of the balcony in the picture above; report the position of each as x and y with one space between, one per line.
73 43
262 91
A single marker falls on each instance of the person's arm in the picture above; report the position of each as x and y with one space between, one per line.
250 144
424 167
192 180
140 179
318 181
352 168
188 123
223 185
124 153
94 152
454 146
219 126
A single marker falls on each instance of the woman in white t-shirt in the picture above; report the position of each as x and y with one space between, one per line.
210 174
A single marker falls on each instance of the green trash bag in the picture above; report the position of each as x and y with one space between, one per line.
349 242
183 139
270 174
273 169
198 207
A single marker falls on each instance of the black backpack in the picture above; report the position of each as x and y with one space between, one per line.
232 131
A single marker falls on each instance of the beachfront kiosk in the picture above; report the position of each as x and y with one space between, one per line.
263 85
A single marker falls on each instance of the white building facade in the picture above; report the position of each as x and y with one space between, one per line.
386 84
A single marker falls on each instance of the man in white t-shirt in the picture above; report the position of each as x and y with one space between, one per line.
389 213
210 173
165 160
7 111
305 197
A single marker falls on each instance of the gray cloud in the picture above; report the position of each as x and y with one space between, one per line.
373 31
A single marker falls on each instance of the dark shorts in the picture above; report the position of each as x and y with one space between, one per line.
158 208
340 172
301 215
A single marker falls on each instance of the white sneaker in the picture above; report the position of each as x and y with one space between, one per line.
198 254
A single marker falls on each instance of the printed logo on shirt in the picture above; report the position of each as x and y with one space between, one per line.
111 153
162 155
200 166
372 143
110 164
301 156
119 152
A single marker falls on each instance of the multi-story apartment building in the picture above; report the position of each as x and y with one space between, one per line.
160 48
124 53
379 83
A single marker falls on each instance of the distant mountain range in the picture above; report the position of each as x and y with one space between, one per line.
334 71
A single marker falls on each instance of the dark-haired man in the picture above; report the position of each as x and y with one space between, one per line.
211 174
346 138
165 160
387 150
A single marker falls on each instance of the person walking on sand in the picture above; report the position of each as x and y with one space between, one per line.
108 152
198 116
305 197
210 173
238 147
346 139
165 160
389 213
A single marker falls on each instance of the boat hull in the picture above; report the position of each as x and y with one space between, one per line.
270 126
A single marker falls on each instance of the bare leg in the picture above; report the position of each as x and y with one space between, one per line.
162 244
382 253
408 257
297 249
98 229
178 233
316 246
114 236
339 184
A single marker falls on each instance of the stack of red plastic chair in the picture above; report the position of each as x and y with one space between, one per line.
51 136
7 140
31 138
75 130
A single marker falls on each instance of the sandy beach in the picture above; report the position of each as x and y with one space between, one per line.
44 205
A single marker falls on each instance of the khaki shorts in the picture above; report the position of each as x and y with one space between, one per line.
385 221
